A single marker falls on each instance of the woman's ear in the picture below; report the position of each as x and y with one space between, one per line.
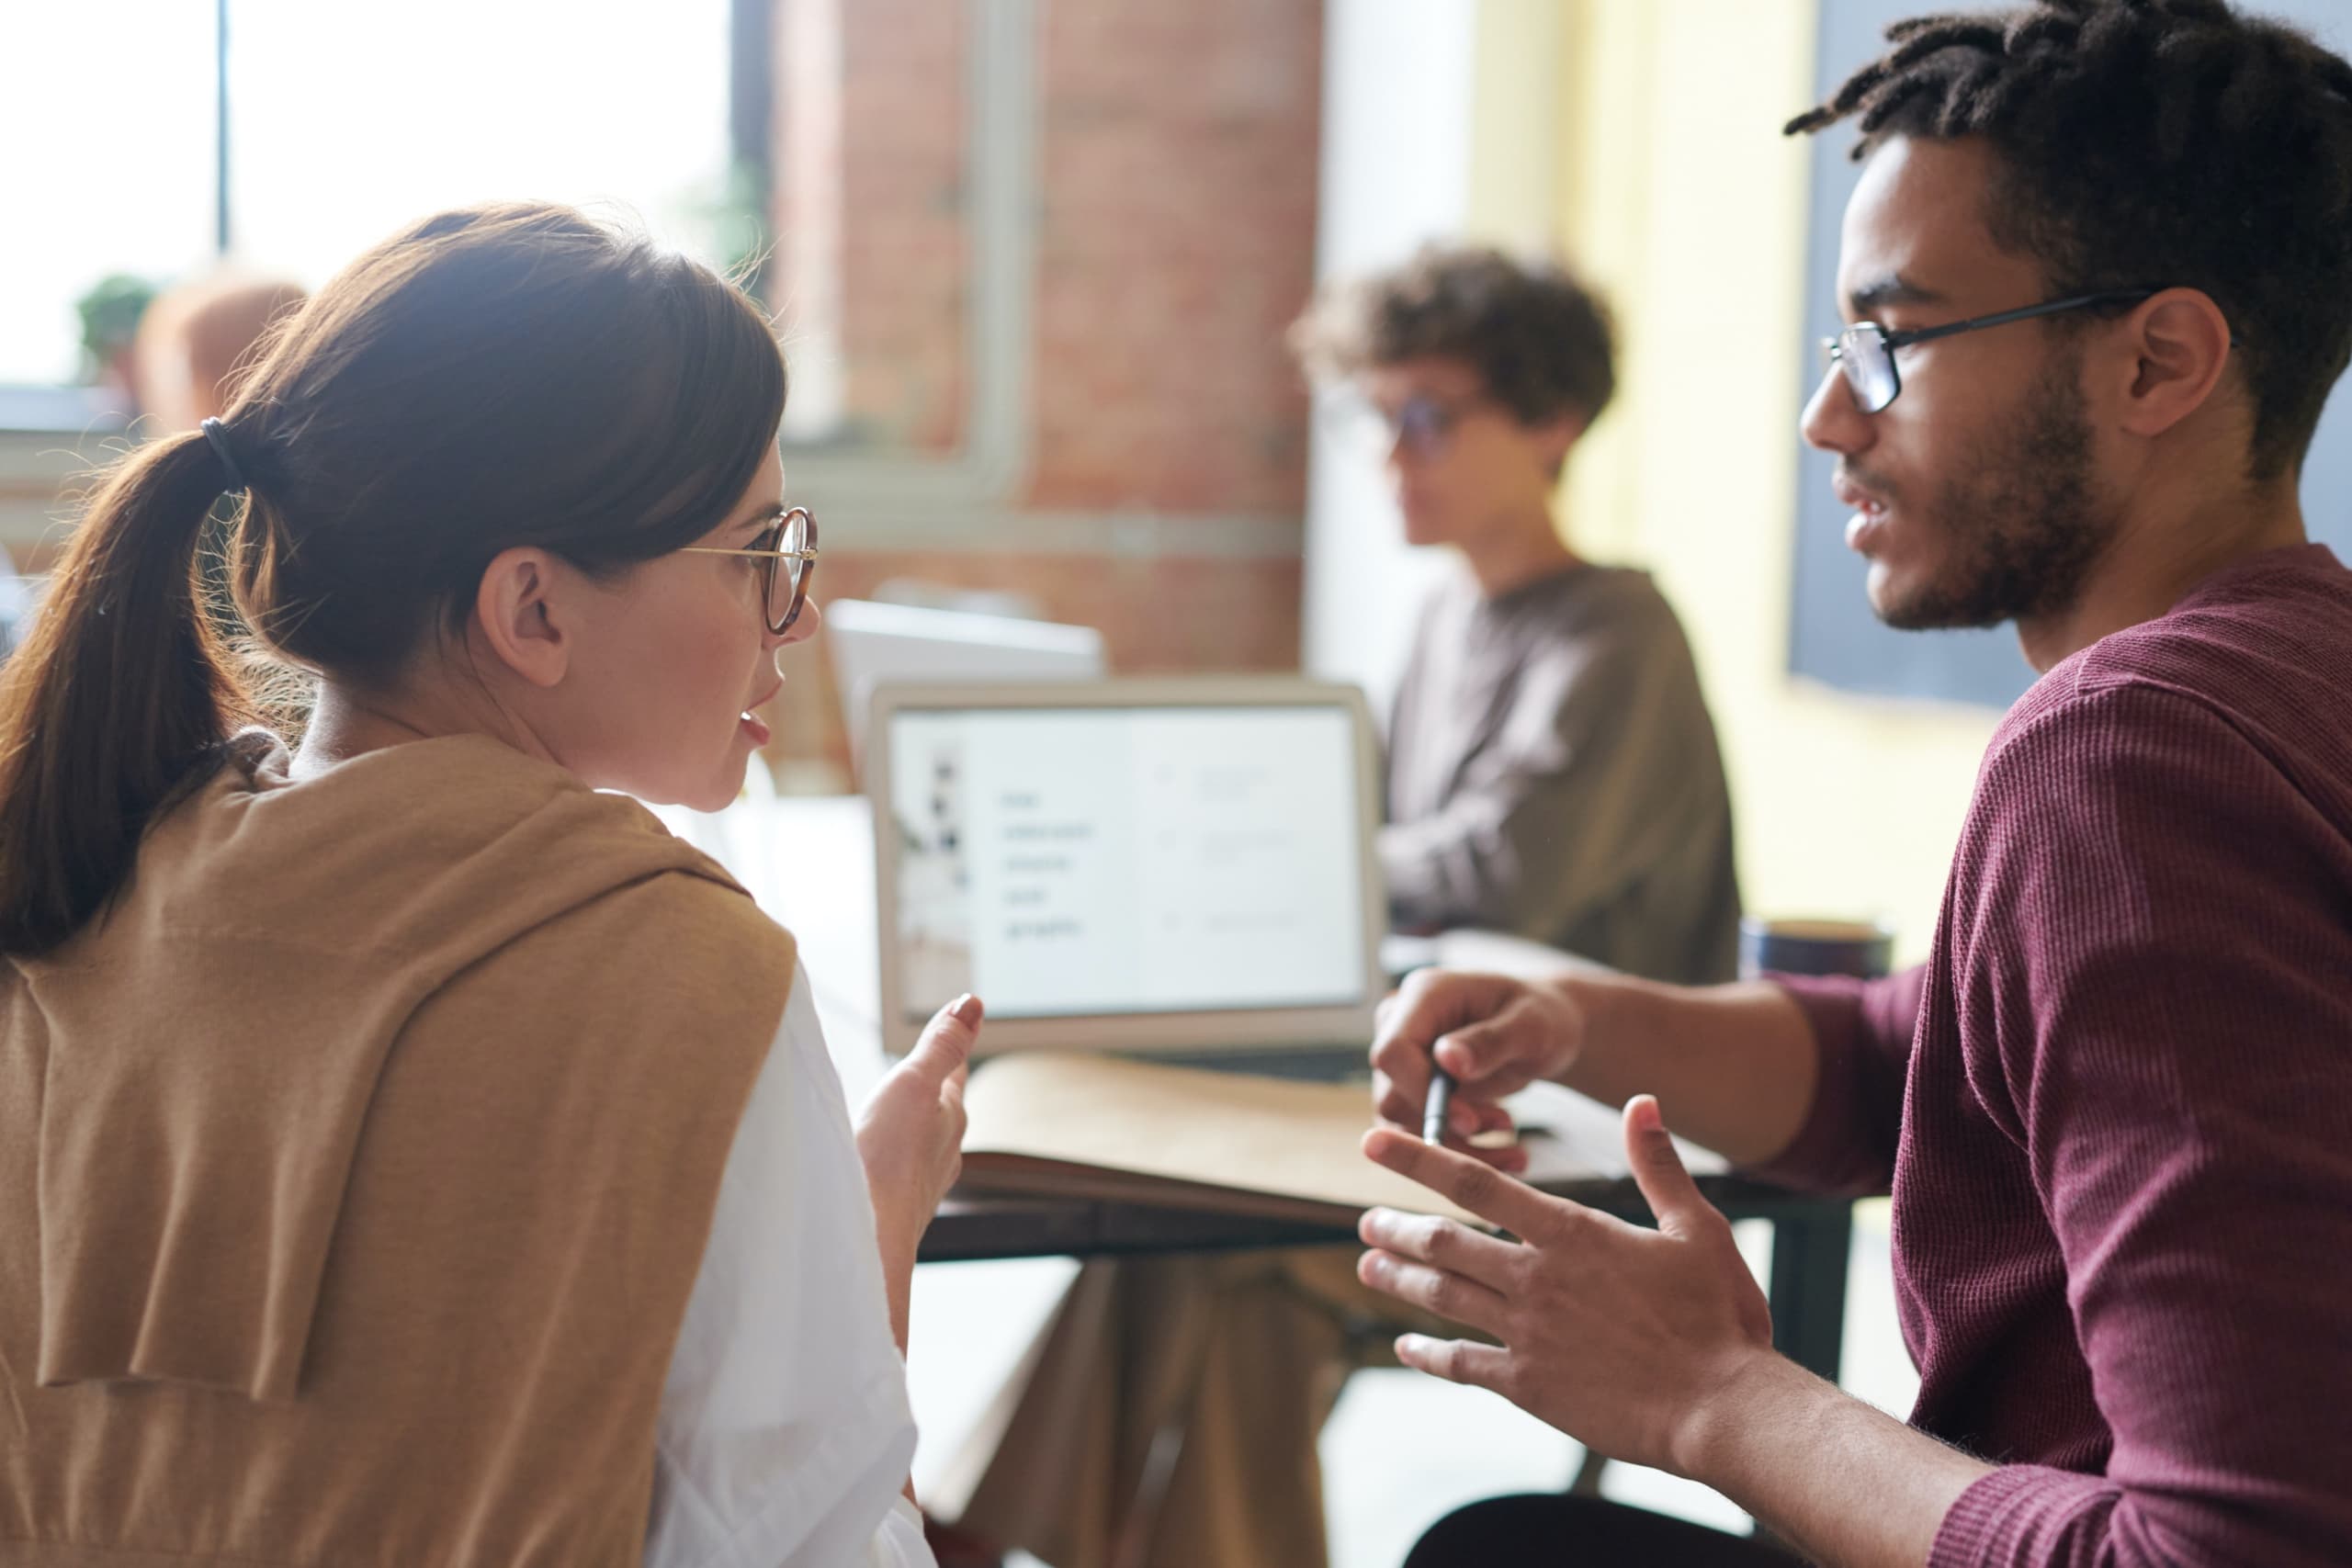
519 610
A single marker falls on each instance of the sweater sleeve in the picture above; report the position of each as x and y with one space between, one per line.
786 1433
1574 799
2152 931
1861 1035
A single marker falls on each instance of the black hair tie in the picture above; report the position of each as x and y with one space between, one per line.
233 477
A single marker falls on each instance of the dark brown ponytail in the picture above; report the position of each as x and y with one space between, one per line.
503 376
121 694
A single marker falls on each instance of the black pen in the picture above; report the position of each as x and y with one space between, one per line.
1433 1109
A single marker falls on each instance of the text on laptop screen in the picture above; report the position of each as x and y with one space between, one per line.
1081 860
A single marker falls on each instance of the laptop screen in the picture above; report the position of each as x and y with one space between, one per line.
1081 860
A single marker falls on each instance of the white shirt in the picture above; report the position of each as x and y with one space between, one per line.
784 1432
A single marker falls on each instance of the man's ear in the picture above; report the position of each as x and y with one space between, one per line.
2178 348
518 610
1560 435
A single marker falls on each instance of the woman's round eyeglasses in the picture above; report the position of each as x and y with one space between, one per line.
786 552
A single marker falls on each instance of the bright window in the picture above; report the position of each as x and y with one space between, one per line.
106 109
344 122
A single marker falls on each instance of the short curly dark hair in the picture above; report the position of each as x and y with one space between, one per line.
2151 143
1537 336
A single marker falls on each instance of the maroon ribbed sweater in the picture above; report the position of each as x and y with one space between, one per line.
2115 1104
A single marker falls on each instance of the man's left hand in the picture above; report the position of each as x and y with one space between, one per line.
1620 1337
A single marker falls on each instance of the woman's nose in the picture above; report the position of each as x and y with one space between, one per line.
804 627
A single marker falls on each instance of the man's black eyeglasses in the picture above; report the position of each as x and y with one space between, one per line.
1865 351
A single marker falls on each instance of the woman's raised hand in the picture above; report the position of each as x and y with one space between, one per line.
911 1136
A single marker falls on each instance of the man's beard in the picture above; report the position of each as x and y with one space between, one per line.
2022 523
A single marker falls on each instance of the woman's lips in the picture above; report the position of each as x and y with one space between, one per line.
752 723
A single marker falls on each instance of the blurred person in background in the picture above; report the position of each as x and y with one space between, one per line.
192 343
199 340
1552 773
1552 769
410 1151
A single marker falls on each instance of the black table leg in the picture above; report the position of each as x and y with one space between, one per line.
1810 1247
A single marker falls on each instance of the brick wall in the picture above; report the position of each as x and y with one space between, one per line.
1178 172
905 243
1176 169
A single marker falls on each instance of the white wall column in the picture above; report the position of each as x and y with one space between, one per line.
1397 85
1439 122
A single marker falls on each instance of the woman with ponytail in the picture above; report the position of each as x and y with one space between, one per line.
410 1152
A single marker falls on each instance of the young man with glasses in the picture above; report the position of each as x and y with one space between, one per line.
1552 772
2098 273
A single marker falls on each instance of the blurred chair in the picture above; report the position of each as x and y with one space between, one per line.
1550 1528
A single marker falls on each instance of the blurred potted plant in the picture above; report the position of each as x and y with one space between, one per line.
110 312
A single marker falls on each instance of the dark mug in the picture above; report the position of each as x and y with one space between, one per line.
1815 947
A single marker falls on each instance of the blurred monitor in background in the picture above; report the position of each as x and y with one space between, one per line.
876 643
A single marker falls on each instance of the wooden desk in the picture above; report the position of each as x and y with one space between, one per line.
826 843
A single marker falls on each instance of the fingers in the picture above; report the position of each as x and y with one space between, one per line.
1483 1131
951 1101
1400 1079
945 1049
1407 1027
1658 1171
1444 1244
1490 1033
1456 1360
1481 1119
1450 1296
1486 1133
1476 1185
1399 1100
1475 1052
1430 1003
1508 1158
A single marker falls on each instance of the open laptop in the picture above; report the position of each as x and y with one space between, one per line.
874 644
1182 868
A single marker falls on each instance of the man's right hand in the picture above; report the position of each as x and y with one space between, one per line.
1494 1033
